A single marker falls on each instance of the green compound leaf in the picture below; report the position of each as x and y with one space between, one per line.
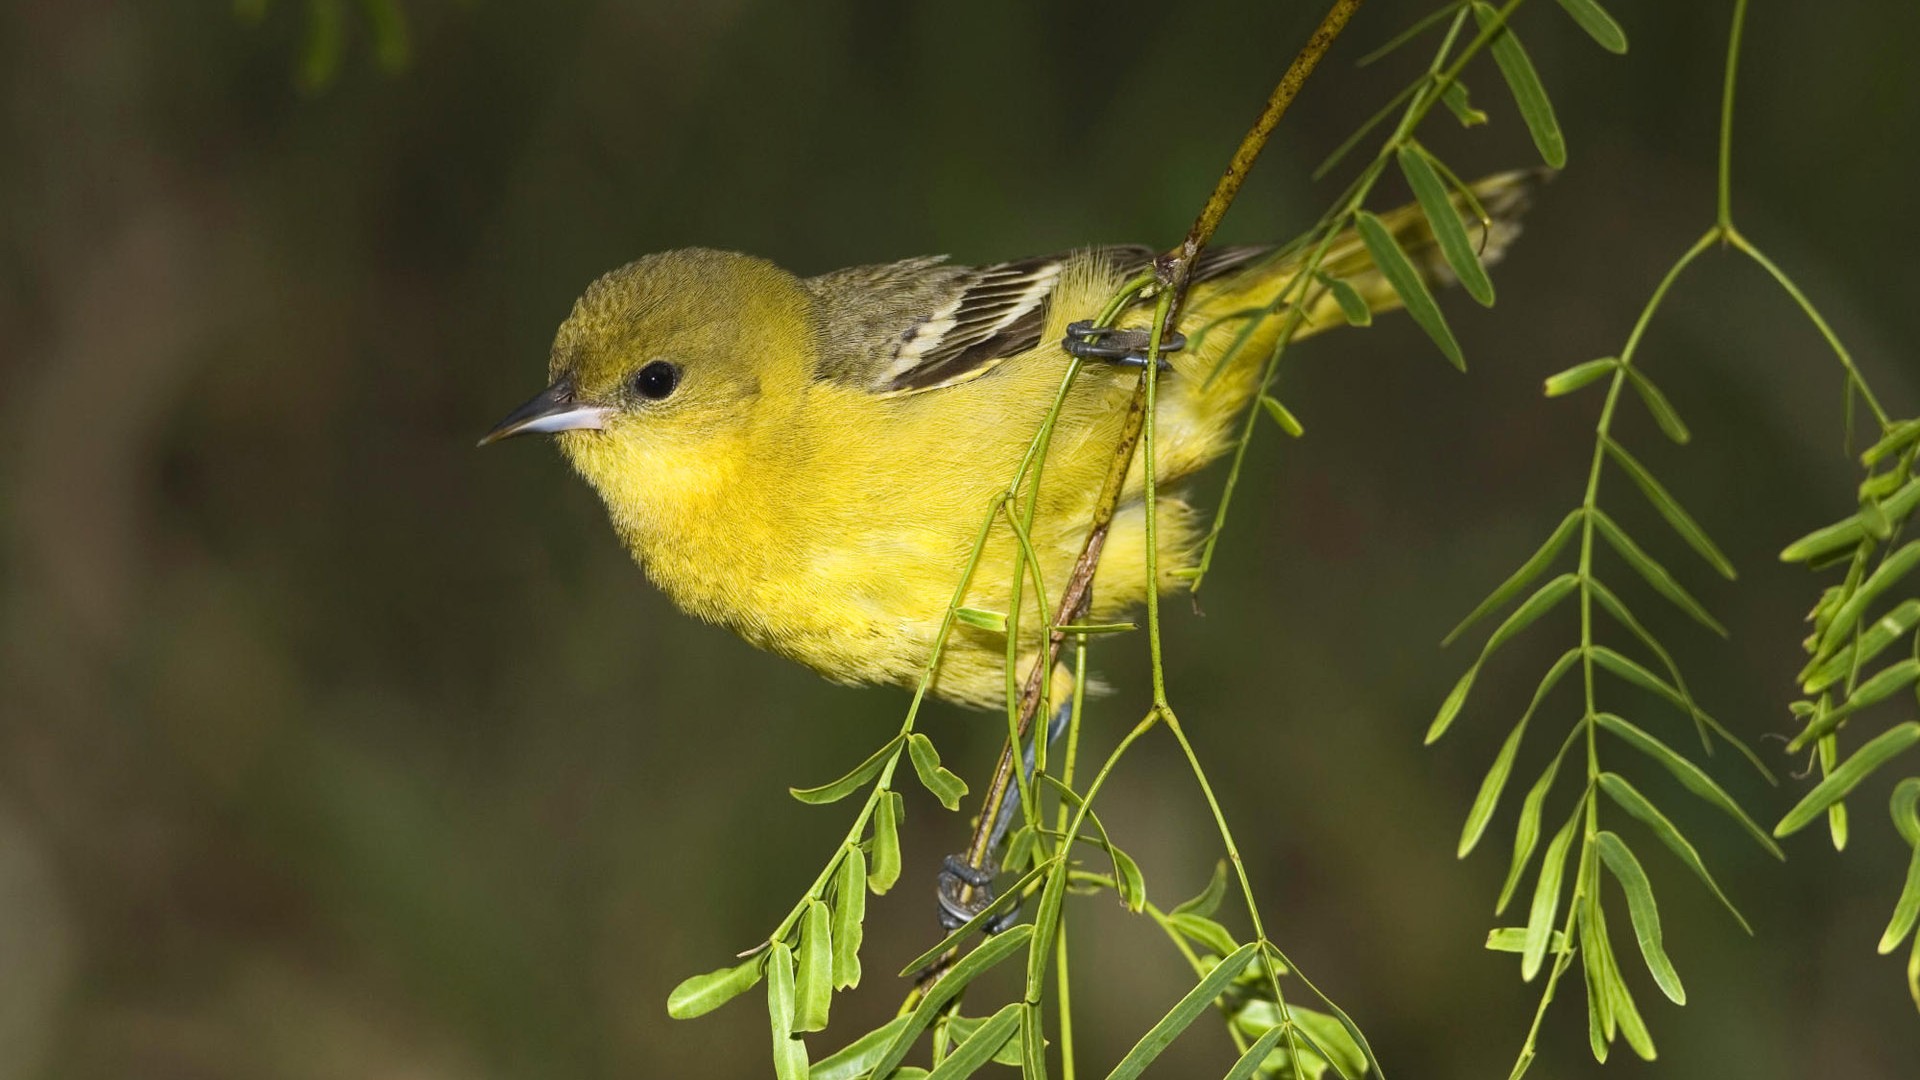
1663 411
789 1053
849 916
701 994
1449 233
1669 508
1656 575
1546 900
1579 376
1872 641
855 1060
1536 563
1352 307
1598 24
1496 778
813 979
1637 804
1406 281
944 785
885 869
836 790
1690 777
1183 1013
1905 806
1644 912
1848 776
1528 94
981 1046
991 952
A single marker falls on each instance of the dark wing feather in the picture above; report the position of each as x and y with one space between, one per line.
921 324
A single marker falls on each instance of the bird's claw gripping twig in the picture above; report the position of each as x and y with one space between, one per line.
957 876
1124 346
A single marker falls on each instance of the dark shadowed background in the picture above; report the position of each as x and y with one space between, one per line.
333 747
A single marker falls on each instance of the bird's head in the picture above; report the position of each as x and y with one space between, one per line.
665 369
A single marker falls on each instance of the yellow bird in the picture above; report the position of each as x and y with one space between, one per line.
809 461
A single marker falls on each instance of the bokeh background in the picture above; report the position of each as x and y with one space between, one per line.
332 747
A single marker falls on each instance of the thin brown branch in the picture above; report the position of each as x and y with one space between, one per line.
1173 270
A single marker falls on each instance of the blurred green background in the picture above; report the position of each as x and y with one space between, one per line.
332 747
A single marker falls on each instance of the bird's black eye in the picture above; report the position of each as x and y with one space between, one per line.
656 380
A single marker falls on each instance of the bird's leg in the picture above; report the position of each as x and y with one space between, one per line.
966 881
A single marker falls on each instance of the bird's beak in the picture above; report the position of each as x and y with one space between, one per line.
553 409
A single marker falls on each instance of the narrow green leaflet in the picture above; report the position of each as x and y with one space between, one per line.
979 1048
1649 815
1882 685
1546 900
1848 776
1905 807
789 1053
702 994
991 621
1690 777
1182 1014
1644 912
1891 569
839 789
1655 575
813 977
1527 832
1536 563
946 787
1455 99
1542 601
1287 421
1208 900
1906 910
1663 411
1598 24
1637 674
1824 541
1513 939
1873 640
855 1060
961 1028
849 916
885 869
1496 778
1669 508
991 952
1249 1062
1603 969
1406 281
1448 231
1579 376
1352 307
1215 937
1528 94
1902 435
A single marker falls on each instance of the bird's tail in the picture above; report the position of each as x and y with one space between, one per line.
1254 290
